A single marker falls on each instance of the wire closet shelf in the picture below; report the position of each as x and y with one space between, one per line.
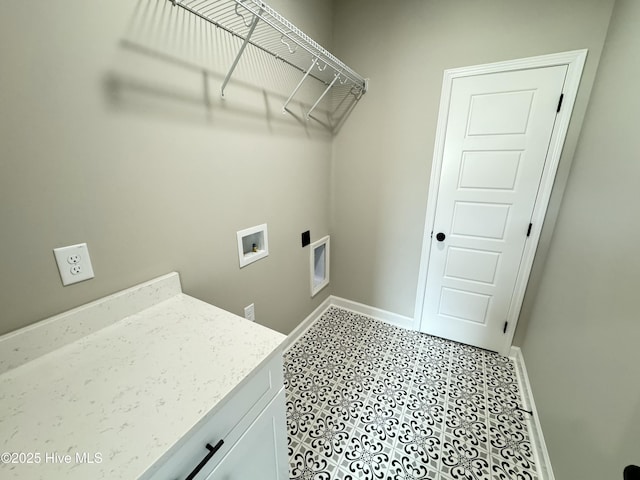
259 25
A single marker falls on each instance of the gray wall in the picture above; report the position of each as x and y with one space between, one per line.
132 154
382 156
581 348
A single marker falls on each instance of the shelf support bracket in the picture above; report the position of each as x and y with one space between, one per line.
335 79
295 90
254 22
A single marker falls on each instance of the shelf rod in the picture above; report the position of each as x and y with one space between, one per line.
254 22
335 79
295 90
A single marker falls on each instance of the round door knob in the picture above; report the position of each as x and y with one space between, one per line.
440 237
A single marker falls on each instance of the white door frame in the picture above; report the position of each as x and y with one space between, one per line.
575 62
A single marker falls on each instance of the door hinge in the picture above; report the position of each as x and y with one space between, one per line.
529 229
504 330
560 103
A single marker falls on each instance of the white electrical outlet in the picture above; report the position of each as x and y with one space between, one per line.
250 312
74 263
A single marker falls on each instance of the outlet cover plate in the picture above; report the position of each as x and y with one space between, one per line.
250 312
74 263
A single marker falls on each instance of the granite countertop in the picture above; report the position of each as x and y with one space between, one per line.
122 395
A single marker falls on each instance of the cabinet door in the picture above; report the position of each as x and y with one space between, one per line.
261 452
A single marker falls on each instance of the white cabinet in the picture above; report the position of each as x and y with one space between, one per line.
261 452
148 376
248 433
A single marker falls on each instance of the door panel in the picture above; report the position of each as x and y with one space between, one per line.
479 220
501 113
464 305
497 136
496 170
471 265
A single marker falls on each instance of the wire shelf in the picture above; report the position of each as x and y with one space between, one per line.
259 25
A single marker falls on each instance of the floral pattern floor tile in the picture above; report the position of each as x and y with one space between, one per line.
370 401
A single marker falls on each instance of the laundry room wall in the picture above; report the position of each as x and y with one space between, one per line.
382 156
581 347
113 133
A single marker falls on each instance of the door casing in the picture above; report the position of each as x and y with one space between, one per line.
575 61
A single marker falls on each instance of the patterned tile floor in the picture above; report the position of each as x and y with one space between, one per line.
367 400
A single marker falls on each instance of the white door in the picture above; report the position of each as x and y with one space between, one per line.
498 133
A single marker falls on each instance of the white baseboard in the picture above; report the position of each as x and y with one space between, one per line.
377 313
545 471
307 323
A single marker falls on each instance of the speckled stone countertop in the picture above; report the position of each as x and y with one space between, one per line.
122 395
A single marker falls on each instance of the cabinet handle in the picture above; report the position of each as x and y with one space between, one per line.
212 452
